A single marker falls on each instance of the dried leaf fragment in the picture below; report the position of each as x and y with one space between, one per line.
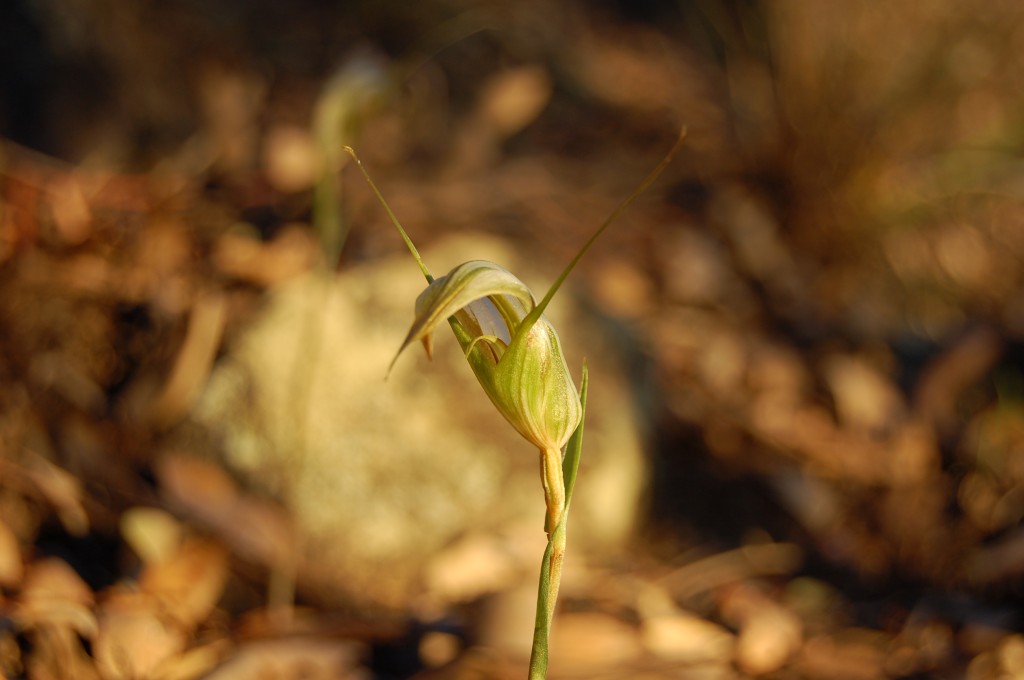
133 640
188 585
154 535
11 567
53 594
192 366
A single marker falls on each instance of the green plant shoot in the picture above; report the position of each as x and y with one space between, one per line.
517 358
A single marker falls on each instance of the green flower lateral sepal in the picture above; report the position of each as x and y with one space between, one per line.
511 347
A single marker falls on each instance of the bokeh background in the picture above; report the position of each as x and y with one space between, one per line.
805 453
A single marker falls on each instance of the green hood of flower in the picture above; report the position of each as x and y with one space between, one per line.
514 352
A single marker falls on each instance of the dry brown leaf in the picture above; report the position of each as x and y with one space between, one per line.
768 637
998 561
637 74
622 289
11 567
266 264
53 594
230 97
507 620
64 491
192 365
70 210
8 234
1011 655
508 102
769 633
260 531
722 364
711 572
154 534
193 663
859 657
164 249
865 399
133 639
60 373
293 659
52 578
471 567
514 98
198 486
684 638
587 642
438 648
678 636
10 654
948 375
984 666
89 274
56 653
188 585
256 529
290 158
914 455
695 269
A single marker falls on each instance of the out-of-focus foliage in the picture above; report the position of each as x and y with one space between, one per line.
817 316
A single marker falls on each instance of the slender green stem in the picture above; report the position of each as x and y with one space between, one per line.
554 554
554 487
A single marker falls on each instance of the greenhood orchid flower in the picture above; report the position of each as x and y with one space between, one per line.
515 354
517 358
513 350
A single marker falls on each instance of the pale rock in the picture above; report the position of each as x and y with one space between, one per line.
381 474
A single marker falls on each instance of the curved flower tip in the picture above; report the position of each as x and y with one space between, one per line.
466 284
